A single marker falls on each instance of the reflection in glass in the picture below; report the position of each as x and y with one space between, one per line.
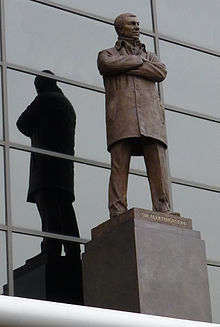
49 121
21 93
203 208
40 277
74 56
3 264
214 286
114 8
24 214
202 27
193 79
2 190
194 152
1 117
38 45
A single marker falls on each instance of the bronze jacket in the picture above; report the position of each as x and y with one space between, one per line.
133 107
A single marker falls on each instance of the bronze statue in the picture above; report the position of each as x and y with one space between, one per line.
134 115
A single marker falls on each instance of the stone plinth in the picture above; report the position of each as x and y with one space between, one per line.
147 262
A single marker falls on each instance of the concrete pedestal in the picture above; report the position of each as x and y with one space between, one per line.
147 262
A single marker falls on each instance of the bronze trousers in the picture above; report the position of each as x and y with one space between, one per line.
157 171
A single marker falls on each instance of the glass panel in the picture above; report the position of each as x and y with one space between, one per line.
203 208
194 152
2 190
38 47
24 214
55 197
1 117
40 276
202 16
193 79
21 92
90 142
91 188
139 192
112 9
214 277
3 264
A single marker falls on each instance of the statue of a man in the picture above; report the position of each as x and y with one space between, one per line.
134 115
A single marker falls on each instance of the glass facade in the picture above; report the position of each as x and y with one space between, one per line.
65 37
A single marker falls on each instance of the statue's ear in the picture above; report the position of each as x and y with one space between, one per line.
120 30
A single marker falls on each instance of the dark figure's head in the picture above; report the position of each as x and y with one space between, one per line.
127 25
45 84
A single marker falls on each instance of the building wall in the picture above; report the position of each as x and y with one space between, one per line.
65 37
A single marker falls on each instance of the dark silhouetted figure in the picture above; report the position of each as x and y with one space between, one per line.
50 123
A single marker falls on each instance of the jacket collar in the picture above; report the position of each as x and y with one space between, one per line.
126 41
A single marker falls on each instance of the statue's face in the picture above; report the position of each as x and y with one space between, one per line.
130 27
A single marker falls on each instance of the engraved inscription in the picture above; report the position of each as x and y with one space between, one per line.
169 220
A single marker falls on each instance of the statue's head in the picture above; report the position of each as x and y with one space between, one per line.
127 25
45 84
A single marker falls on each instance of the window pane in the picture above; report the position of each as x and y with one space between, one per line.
21 92
112 9
202 27
1 117
91 188
193 79
203 208
3 264
74 56
214 286
90 138
139 192
194 151
44 277
24 214
2 190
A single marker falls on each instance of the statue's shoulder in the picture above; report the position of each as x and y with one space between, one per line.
112 50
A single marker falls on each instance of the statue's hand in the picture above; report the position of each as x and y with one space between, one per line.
144 59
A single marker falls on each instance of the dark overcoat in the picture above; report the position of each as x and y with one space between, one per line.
133 108
50 123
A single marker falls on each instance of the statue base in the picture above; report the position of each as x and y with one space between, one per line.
147 262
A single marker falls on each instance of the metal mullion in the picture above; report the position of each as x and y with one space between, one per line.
160 87
101 90
201 186
6 157
213 263
188 45
28 148
74 11
110 22
191 113
63 237
83 13
3 227
55 77
104 165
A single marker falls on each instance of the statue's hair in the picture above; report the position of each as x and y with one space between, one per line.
120 20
